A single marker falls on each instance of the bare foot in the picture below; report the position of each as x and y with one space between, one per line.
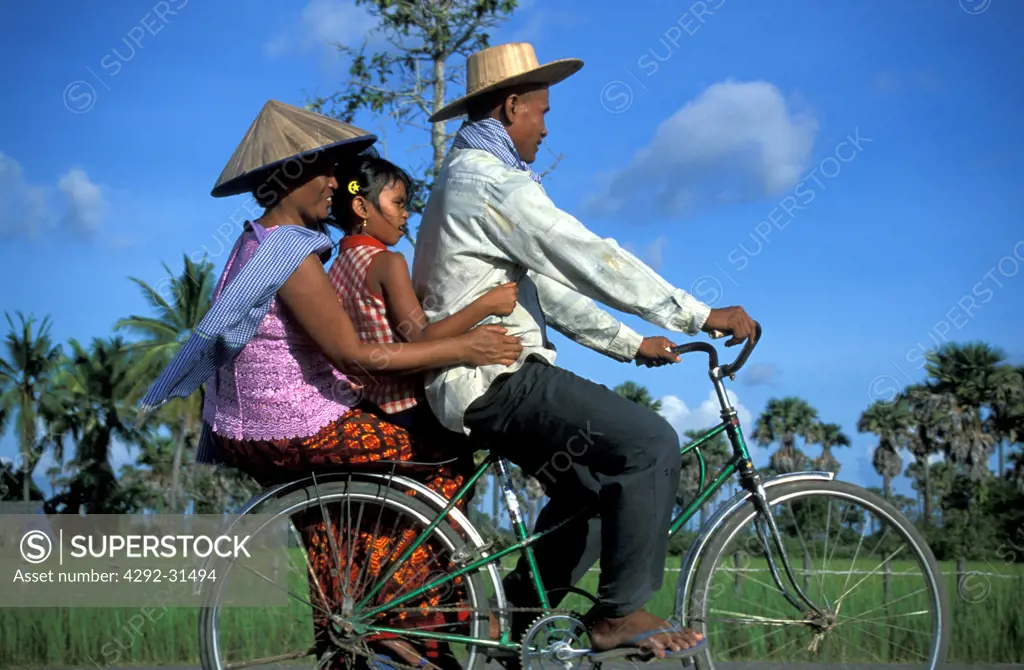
610 633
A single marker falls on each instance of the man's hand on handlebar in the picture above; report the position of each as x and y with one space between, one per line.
655 352
731 321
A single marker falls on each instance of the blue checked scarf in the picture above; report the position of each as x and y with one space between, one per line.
490 136
233 319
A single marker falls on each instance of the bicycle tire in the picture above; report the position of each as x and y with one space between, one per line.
711 556
331 492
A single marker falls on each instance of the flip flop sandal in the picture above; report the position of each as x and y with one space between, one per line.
629 649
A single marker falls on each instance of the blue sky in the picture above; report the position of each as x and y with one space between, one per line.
842 170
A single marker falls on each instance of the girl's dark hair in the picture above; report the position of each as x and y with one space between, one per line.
372 175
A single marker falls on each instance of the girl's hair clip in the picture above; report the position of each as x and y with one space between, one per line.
353 187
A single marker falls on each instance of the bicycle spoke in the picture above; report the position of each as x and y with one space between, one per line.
363 571
893 602
874 657
869 631
359 543
728 652
309 567
881 565
886 625
761 619
835 548
350 547
824 551
856 553
271 659
890 642
762 605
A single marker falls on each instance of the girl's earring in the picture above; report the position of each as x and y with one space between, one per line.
362 226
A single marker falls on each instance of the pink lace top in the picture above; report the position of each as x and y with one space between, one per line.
280 386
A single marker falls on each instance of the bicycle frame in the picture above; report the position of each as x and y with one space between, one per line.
739 463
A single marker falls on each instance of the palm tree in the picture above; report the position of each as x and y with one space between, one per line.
969 373
25 373
1006 405
716 452
781 422
163 336
891 423
95 388
828 435
638 394
930 426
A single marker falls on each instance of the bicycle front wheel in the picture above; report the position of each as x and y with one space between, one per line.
875 587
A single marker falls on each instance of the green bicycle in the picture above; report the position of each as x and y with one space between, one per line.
759 580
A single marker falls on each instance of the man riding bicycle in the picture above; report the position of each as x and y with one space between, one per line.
488 222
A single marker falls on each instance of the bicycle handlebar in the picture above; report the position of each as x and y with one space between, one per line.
725 370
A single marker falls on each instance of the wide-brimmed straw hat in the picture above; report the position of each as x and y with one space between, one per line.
503 66
286 138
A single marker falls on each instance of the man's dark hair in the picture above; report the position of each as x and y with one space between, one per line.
482 107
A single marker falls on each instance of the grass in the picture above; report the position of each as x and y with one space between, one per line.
988 626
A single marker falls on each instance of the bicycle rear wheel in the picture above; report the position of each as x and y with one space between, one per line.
866 568
372 525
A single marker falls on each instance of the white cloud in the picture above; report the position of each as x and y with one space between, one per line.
28 209
322 23
24 208
756 374
706 415
84 200
735 142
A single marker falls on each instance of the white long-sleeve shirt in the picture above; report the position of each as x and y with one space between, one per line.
487 224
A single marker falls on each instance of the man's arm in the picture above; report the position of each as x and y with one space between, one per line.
580 319
404 310
524 223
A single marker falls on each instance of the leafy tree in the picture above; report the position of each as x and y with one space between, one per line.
969 373
828 435
638 394
178 314
94 392
409 80
930 426
781 422
716 453
30 360
891 423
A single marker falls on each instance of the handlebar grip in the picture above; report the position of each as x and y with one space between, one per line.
731 368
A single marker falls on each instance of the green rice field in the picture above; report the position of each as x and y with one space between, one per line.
988 625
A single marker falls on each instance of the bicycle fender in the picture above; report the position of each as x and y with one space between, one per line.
428 495
688 568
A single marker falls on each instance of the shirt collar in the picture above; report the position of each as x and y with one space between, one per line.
490 135
351 241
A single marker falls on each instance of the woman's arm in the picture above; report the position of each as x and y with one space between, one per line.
308 294
390 272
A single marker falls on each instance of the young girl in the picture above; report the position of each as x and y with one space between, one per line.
374 286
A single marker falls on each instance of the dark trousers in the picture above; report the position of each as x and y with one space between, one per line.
590 448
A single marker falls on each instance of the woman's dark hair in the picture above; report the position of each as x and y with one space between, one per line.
372 175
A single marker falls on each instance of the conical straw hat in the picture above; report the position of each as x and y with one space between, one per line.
283 133
503 66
